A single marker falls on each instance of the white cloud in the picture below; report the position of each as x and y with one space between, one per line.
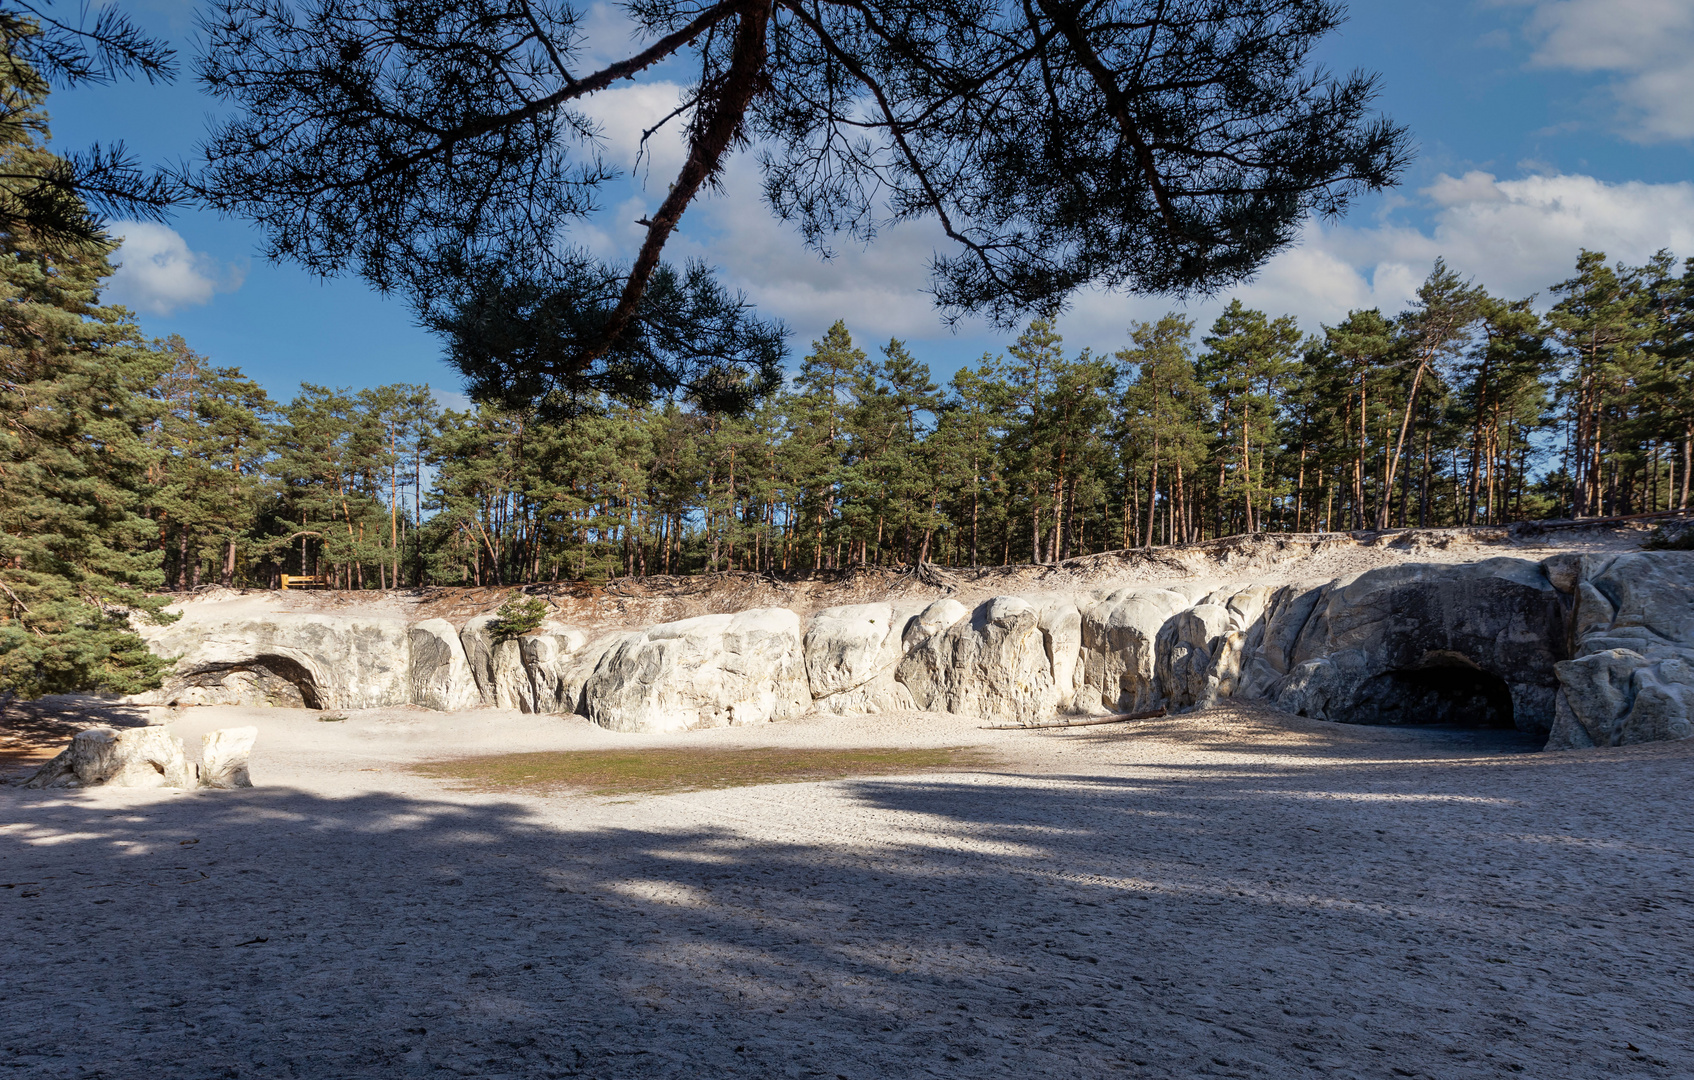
1515 237
451 399
1644 44
157 273
879 289
624 112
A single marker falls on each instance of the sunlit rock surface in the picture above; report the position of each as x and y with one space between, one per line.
1596 650
710 671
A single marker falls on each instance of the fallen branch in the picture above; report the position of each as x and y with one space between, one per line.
1116 718
1583 523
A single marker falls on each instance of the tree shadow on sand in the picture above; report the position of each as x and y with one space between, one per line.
35 730
1178 922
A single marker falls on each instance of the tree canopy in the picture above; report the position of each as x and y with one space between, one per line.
59 200
441 148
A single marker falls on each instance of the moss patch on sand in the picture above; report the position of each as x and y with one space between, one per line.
671 769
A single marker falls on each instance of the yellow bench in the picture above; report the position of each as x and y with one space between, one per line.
298 581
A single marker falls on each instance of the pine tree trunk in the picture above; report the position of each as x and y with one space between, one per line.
1153 493
1687 464
1246 469
1300 490
1423 488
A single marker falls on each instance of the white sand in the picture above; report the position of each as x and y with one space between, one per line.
1235 894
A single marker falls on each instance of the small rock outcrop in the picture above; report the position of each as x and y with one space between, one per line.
224 756
1630 678
710 671
148 757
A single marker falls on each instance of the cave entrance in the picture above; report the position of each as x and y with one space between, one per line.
1445 695
267 680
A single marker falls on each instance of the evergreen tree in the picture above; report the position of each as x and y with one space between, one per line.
1437 327
1248 361
211 438
1164 404
1602 323
74 558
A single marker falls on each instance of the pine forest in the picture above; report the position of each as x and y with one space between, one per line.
1466 409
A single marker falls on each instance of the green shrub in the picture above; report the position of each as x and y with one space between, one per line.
518 616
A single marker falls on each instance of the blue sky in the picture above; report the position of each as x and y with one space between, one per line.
1542 126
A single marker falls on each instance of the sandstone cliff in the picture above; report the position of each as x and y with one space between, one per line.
1591 649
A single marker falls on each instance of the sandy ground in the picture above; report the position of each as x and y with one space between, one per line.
1238 893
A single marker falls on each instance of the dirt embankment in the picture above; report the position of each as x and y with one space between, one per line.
1262 558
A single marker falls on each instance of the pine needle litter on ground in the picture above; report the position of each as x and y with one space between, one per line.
664 770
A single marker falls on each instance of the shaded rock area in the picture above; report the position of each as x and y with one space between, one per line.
1591 649
1420 644
1630 676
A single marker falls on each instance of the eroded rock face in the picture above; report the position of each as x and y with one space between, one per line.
1631 676
1012 660
440 673
1119 648
851 653
1436 631
710 671
288 659
149 757
549 656
1598 648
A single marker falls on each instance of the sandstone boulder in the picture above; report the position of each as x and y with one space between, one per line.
548 657
497 665
1119 648
440 673
224 757
851 653
1012 661
148 757
844 646
710 671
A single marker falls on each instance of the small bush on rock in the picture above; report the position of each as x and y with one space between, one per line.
518 616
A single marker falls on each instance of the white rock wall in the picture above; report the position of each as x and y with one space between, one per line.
1598 649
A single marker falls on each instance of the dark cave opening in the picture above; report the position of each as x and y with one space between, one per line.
278 680
1448 695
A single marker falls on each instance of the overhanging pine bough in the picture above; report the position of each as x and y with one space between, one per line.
439 148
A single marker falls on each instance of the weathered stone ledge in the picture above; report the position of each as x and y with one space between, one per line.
1589 650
